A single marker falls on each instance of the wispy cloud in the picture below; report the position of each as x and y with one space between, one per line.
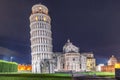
8 52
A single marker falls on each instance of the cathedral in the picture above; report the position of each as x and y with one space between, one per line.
71 59
44 60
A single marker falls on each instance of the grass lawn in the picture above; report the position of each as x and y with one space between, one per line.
31 76
55 76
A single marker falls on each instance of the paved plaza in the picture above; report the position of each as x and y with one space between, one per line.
87 77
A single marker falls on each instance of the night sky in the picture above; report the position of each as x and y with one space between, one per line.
91 25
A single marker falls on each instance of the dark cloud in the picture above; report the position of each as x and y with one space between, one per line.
8 52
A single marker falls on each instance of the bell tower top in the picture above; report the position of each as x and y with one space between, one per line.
39 8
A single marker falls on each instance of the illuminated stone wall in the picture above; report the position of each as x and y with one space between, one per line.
90 61
108 68
22 67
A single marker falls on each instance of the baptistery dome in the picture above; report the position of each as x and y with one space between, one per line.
69 47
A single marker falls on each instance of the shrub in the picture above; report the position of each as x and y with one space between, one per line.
6 66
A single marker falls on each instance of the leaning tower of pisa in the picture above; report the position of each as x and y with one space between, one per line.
41 39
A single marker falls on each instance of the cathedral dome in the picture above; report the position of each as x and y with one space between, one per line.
69 47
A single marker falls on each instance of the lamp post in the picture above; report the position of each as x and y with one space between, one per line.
11 58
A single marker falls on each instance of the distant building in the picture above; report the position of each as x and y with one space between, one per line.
110 67
112 60
90 61
99 67
117 65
